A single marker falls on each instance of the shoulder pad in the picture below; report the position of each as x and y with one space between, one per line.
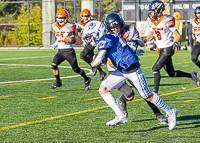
71 26
169 20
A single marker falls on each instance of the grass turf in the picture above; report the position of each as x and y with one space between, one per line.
32 112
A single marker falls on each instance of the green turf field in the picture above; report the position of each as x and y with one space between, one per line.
32 112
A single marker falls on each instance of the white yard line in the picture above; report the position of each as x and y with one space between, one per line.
25 58
90 72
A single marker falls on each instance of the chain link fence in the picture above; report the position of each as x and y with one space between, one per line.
21 21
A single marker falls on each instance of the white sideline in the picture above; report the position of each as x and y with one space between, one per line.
24 58
90 72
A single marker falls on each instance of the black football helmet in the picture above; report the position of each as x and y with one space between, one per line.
157 6
197 10
113 20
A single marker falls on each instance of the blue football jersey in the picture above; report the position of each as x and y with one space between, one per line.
118 51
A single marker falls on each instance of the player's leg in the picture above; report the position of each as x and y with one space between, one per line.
165 56
94 69
139 80
169 68
56 61
105 89
87 56
191 41
127 95
195 54
70 56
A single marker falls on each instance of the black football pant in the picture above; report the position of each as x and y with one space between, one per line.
165 60
195 54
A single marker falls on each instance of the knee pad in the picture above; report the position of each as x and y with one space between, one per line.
76 70
54 67
130 95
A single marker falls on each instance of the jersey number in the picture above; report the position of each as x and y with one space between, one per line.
158 35
57 35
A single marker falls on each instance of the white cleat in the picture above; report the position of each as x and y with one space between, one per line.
172 118
118 120
195 78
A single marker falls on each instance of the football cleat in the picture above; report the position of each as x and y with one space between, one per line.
55 85
87 84
161 118
102 75
94 71
195 78
122 106
118 120
172 118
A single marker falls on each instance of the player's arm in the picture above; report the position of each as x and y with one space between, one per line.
98 58
177 36
150 35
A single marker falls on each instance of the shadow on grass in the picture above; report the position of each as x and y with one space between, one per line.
183 118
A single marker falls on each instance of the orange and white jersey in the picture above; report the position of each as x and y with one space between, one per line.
196 26
63 31
80 25
163 30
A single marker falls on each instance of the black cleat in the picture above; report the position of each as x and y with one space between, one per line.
55 85
102 75
94 71
87 84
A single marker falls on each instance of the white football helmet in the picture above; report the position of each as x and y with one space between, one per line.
93 31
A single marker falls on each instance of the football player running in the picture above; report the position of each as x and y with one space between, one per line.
115 24
196 30
163 26
65 34
127 67
88 51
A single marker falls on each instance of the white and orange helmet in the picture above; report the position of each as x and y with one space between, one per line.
85 13
62 13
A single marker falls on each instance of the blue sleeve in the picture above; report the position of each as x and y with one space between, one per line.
104 43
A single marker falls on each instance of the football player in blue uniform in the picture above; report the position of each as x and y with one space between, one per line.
127 67
115 24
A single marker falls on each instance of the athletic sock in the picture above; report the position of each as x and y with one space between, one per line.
155 109
84 76
58 78
157 100
156 81
183 74
110 100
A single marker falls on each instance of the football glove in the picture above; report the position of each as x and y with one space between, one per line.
139 52
53 47
176 46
